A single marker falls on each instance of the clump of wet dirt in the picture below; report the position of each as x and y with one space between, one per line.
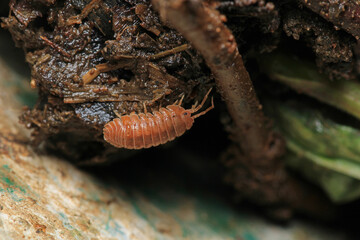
333 48
255 24
140 64
65 40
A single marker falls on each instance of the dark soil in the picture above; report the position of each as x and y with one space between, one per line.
333 49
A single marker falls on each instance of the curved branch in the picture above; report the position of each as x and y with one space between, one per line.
255 168
204 28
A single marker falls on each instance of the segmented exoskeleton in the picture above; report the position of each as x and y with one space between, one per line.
144 130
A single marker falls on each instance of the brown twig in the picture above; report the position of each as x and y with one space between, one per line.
122 98
257 173
84 13
100 93
90 75
55 46
203 27
168 52
124 91
125 60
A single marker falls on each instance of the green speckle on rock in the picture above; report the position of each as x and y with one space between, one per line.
248 236
6 167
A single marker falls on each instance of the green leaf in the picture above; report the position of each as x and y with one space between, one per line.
303 77
325 152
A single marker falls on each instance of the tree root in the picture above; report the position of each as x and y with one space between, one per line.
256 169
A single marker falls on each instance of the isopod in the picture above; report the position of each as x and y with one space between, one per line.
145 130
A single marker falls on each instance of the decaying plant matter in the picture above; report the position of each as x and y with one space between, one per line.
90 59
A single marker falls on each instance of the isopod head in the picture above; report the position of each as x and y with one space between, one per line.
184 114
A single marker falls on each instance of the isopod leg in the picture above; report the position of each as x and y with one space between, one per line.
145 110
181 99
117 114
205 111
202 102
177 101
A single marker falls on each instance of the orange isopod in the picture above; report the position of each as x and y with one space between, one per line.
145 130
